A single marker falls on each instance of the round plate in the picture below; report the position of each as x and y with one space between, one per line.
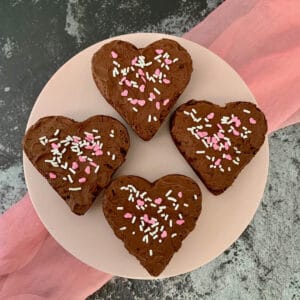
71 92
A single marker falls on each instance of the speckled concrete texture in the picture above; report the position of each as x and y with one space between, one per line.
36 37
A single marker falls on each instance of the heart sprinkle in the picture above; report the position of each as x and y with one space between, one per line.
143 80
220 141
89 143
151 227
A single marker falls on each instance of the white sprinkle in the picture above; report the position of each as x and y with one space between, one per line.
97 169
95 130
208 157
157 57
70 178
173 235
246 111
72 171
162 228
56 133
75 189
53 140
195 197
65 178
149 118
186 112
175 59
155 119
235 162
208 125
200 152
65 166
172 199
113 157
153 205
141 228
155 237
133 232
194 111
185 204
229 169
166 217
180 216
108 153
156 91
150 252
170 222
120 208
204 143
221 169
145 239
123 228
169 192
167 67
177 206
133 220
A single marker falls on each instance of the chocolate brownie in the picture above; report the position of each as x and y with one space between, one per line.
142 84
218 142
152 219
77 158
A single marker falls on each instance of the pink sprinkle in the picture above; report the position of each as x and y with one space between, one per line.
166 81
202 133
54 146
180 222
75 139
168 61
219 126
133 62
99 152
220 134
82 159
157 72
159 51
141 72
166 102
128 216
238 122
228 156
163 234
216 146
140 202
82 180
180 194
152 96
235 132
74 165
134 101
252 121
145 217
87 170
144 79
157 105
89 146
123 79
152 221
124 93
218 161
142 88
210 116
141 102
114 54
226 146
89 137
52 175
158 201
128 83
96 147
93 164
214 140
208 139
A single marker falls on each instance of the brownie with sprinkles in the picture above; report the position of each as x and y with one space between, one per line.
218 142
152 219
142 84
77 158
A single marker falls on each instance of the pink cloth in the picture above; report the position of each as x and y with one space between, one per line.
260 39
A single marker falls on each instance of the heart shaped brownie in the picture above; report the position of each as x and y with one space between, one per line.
152 219
142 84
77 158
218 142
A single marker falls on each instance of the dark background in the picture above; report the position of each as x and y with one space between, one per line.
38 36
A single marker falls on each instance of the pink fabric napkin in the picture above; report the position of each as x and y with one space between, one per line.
260 39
